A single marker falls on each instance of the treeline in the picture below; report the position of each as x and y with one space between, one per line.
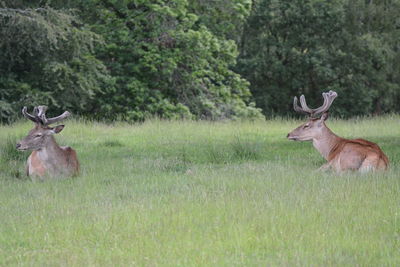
201 59
291 47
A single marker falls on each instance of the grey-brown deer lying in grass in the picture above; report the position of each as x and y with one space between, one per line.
342 154
47 157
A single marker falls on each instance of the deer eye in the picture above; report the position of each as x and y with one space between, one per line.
306 126
38 135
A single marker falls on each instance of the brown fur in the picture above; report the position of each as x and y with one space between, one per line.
36 166
364 147
72 161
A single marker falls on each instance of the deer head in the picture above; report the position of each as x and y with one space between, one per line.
315 125
41 134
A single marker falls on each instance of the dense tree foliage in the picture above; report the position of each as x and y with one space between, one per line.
45 58
162 62
309 46
225 18
134 59
166 66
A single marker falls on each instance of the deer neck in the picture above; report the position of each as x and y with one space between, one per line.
325 142
51 153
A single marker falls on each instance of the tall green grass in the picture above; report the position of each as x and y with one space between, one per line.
182 193
11 160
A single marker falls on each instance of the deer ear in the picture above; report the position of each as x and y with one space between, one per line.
58 129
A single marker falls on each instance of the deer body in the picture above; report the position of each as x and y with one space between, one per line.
341 154
53 160
47 157
357 154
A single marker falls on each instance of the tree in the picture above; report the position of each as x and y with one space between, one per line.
163 60
224 18
46 57
166 65
294 47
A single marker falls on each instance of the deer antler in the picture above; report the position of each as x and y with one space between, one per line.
29 116
328 100
58 118
40 116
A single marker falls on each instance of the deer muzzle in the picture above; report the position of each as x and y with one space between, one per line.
290 136
20 147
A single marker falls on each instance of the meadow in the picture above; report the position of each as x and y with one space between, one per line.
185 193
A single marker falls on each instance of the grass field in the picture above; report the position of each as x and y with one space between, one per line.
200 194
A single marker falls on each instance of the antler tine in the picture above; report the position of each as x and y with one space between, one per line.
41 111
328 100
29 116
41 114
321 109
304 105
58 118
35 111
297 108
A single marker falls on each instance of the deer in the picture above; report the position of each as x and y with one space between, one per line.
340 153
47 159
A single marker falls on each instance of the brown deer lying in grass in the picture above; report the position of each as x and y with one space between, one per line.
47 157
342 154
